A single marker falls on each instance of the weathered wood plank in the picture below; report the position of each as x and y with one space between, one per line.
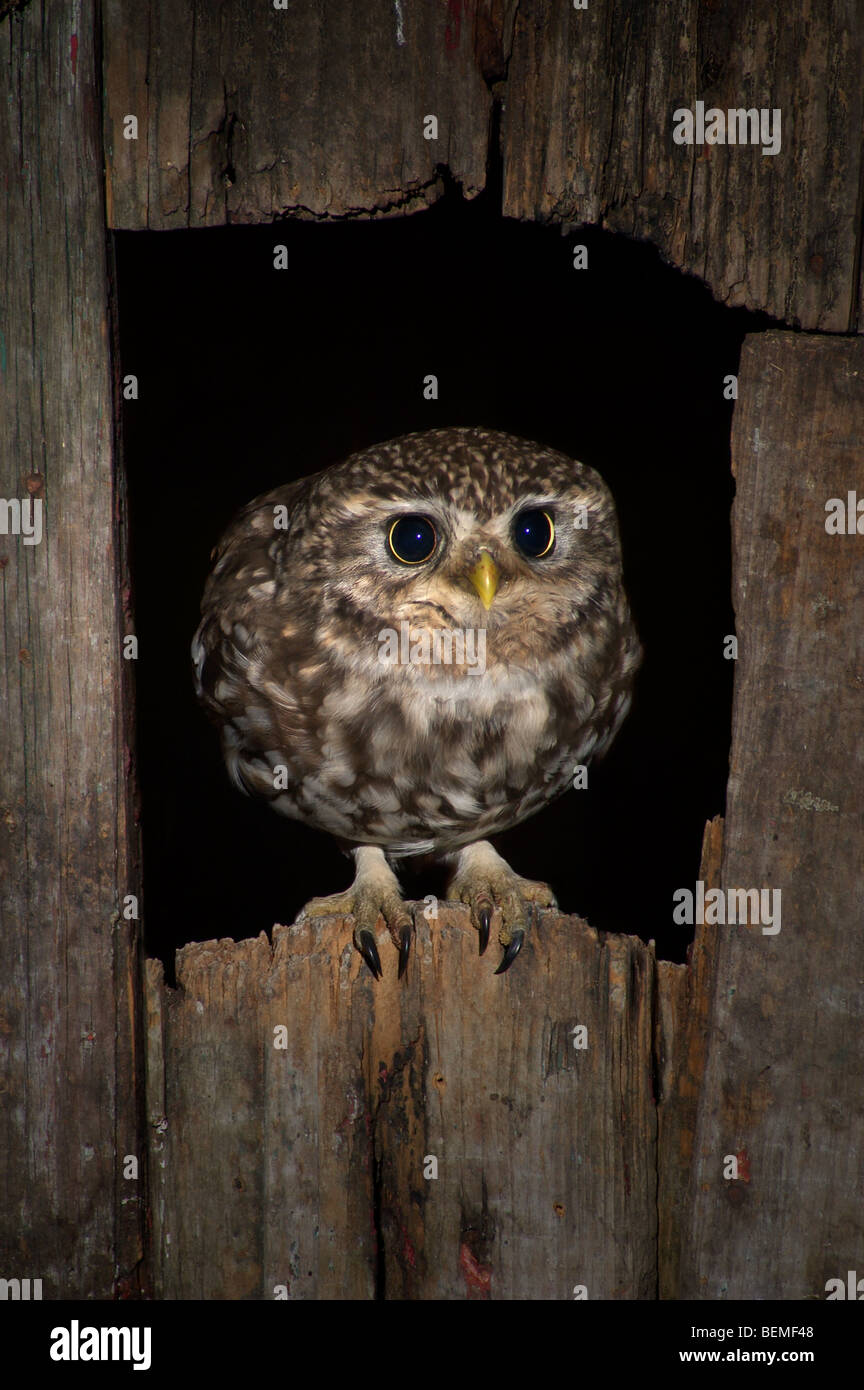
588 138
782 1080
246 113
546 1155
684 994
67 958
319 1229
317 110
211 1126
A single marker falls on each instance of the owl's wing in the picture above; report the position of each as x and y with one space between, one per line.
246 561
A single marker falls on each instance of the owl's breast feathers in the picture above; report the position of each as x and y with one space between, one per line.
393 754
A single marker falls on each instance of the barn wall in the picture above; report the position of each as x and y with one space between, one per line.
317 111
438 1137
245 113
68 975
785 1044
315 1184
760 1039
588 138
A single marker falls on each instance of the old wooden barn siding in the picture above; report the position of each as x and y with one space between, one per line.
782 1087
779 232
68 967
303 1165
320 114
298 1159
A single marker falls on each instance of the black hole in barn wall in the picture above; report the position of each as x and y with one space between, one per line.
250 377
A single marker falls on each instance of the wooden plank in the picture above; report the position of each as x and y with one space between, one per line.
782 1079
544 1153
317 110
684 995
260 1136
158 1186
206 1144
68 1215
588 126
319 1228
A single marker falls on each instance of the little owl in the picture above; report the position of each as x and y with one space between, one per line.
414 650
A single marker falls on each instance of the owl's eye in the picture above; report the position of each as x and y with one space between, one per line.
534 533
412 539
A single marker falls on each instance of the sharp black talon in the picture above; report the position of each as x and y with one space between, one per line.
511 952
404 949
369 952
485 918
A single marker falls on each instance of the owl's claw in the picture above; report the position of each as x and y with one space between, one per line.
484 917
369 952
374 896
511 952
489 886
404 949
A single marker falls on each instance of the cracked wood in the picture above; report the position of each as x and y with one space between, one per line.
317 112
588 138
303 1166
68 960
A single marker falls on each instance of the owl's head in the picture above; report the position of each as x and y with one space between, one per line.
461 530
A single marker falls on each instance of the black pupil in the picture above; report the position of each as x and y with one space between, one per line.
532 532
412 539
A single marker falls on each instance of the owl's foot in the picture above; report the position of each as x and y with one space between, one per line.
486 882
374 893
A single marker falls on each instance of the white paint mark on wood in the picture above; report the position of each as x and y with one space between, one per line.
400 23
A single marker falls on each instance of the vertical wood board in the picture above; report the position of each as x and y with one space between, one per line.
588 124
245 113
67 957
783 1078
440 1137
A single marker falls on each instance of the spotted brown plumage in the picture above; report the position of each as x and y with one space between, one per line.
410 744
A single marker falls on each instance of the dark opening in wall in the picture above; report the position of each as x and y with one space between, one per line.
249 377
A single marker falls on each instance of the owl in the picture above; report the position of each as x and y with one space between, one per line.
414 650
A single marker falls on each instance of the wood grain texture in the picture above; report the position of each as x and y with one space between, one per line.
782 1077
684 996
247 113
303 1166
588 138
67 958
316 111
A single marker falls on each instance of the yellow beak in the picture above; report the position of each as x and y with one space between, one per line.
485 576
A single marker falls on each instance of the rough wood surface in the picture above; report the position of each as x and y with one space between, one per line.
246 114
785 1053
588 138
317 110
303 1166
684 995
67 959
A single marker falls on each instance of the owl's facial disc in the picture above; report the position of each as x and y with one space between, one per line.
467 567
